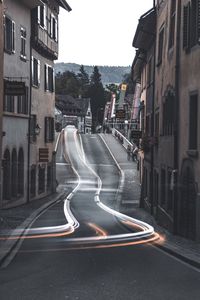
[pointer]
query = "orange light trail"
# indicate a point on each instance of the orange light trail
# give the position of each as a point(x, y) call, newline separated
point(37, 236)
point(98, 230)
point(152, 240)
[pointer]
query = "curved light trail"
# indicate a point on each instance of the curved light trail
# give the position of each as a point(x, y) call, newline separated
point(102, 238)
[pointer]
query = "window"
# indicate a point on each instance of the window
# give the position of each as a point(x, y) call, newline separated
point(169, 191)
point(149, 73)
point(168, 115)
point(162, 187)
point(193, 122)
point(191, 24)
point(41, 179)
point(172, 23)
point(33, 181)
point(157, 124)
point(186, 27)
point(194, 25)
point(23, 43)
point(54, 28)
point(160, 46)
point(42, 15)
point(9, 35)
point(9, 103)
point(49, 79)
point(49, 177)
point(35, 72)
point(147, 129)
point(32, 128)
point(49, 129)
point(22, 103)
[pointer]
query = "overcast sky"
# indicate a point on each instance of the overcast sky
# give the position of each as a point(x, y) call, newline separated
point(100, 32)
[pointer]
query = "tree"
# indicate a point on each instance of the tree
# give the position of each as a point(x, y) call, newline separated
point(97, 96)
point(84, 82)
point(67, 83)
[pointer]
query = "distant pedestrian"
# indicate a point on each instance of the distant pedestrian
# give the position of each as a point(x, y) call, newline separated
point(128, 152)
point(135, 153)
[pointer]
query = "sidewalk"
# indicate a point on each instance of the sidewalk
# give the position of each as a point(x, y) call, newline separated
point(187, 250)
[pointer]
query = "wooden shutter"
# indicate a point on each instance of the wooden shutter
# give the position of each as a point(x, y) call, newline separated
point(46, 84)
point(13, 36)
point(38, 72)
point(186, 27)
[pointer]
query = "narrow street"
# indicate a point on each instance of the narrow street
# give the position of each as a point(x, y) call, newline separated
point(83, 248)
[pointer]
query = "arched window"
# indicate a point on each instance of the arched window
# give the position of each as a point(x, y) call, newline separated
point(14, 174)
point(6, 176)
point(41, 179)
point(21, 172)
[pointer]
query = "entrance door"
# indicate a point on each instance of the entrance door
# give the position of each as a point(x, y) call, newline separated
point(187, 214)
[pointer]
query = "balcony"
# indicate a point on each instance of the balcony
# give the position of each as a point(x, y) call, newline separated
point(43, 43)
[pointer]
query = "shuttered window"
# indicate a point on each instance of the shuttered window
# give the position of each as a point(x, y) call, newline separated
point(191, 24)
point(49, 129)
point(9, 35)
point(186, 27)
point(193, 122)
point(35, 72)
point(49, 78)
point(160, 46)
point(172, 23)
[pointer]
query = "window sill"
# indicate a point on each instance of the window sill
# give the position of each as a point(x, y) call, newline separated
point(23, 58)
point(35, 86)
point(193, 153)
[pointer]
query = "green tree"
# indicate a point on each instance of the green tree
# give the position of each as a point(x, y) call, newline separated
point(97, 96)
point(84, 82)
point(67, 83)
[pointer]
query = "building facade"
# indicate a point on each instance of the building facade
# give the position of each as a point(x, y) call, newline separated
point(16, 100)
point(44, 43)
point(30, 48)
point(170, 188)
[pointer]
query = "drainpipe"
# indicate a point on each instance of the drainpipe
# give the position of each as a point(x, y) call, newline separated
point(152, 122)
point(29, 125)
point(176, 121)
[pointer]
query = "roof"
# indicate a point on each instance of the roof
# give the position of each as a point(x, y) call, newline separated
point(64, 5)
point(72, 106)
point(146, 29)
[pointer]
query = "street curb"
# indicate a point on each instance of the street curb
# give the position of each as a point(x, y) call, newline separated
point(182, 257)
point(9, 245)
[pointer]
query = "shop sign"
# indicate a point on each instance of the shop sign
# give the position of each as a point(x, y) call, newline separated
point(14, 88)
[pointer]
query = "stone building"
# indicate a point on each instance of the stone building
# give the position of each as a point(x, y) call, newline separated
point(171, 167)
point(76, 111)
point(44, 42)
point(30, 48)
point(16, 100)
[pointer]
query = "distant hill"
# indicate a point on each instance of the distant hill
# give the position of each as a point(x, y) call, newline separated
point(109, 74)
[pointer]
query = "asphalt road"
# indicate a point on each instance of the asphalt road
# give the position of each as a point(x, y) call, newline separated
point(99, 256)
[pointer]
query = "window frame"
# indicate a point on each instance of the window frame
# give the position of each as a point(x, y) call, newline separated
point(23, 43)
point(9, 35)
point(35, 72)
